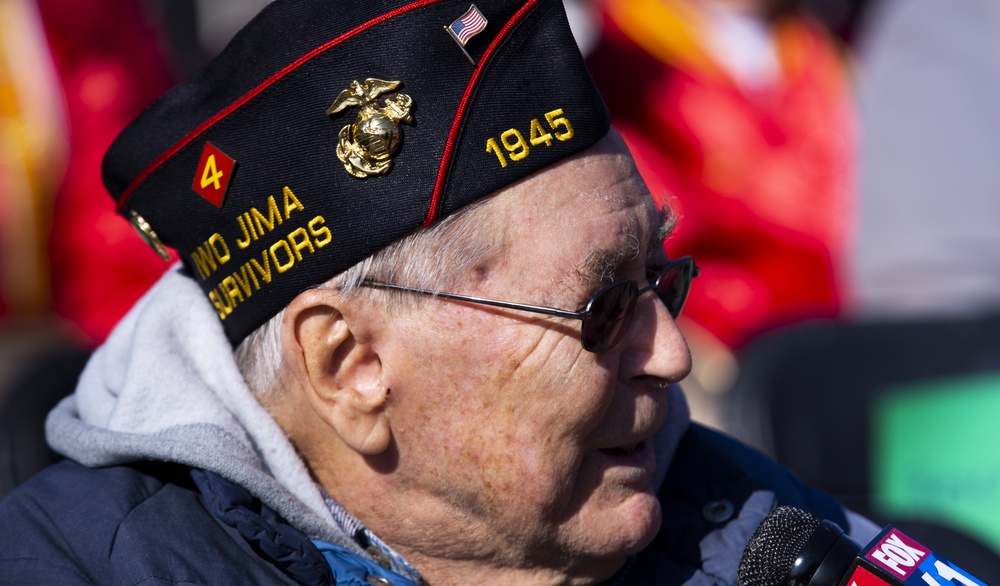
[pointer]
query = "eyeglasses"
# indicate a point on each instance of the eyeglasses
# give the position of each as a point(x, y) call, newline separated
point(608, 315)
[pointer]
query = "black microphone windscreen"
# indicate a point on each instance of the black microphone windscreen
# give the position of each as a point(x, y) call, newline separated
point(774, 547)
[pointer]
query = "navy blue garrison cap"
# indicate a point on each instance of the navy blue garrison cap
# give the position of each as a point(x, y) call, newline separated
point(328, 129)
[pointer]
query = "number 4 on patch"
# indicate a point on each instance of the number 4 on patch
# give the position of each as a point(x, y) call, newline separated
point(214, 174)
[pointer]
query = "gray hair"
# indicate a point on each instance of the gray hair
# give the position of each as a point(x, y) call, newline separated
point(434, 258)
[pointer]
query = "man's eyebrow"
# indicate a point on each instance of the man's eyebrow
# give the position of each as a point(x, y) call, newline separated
point(602, 264)
point(667, 221)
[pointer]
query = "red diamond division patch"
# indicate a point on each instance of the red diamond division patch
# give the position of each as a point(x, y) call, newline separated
point(215, 170)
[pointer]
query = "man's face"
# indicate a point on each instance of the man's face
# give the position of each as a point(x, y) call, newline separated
point(514, 444)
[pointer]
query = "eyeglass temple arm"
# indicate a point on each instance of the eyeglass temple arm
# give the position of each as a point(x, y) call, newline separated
point(493, 302)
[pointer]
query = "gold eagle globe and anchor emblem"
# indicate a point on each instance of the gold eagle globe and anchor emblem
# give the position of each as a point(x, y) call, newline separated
point(368, 145)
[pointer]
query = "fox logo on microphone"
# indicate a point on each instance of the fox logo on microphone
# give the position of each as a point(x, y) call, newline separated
point(898, 553)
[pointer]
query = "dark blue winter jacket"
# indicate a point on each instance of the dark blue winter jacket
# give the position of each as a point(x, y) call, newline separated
point(167, 524)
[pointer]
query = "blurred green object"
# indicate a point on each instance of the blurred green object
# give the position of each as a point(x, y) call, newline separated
point(936, 454)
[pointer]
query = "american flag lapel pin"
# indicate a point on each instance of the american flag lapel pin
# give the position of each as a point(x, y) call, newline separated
point(465, 27)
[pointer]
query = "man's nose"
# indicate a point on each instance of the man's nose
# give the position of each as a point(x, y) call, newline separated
point(654, 347)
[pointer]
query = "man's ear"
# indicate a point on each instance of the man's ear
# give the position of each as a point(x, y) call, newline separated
point(337, 369)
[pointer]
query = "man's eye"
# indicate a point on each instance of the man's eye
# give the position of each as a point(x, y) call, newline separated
point(653, 272)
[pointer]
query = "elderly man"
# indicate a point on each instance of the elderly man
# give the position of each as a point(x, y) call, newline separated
point(452, 316)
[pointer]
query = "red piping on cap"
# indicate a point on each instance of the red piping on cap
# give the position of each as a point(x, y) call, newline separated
point(456, 124)
point(257, 90)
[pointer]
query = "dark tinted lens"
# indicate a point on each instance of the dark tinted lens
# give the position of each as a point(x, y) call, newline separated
point(675, 283)
point(609, 314)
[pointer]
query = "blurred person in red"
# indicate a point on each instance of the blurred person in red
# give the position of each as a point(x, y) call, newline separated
point(72, 73)
point(739, 113)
